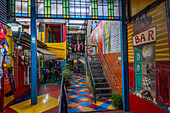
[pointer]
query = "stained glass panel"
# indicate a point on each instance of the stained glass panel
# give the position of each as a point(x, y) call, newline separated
point(73, 9)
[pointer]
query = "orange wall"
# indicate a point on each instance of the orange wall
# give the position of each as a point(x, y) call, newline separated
point(115, 67)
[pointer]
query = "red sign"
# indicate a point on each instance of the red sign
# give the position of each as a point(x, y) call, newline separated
point(145, 37)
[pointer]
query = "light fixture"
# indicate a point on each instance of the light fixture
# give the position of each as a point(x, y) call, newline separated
point(16, 28)
point(19, 47)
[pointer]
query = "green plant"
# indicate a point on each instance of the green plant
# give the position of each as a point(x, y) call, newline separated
point(117, 101)
point(67, 75)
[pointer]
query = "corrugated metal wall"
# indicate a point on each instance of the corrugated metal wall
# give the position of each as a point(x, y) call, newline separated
point(3, 12)
point(159, 19)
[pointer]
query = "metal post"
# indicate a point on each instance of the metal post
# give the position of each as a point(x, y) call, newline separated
point(124, 58)
point(33, 53)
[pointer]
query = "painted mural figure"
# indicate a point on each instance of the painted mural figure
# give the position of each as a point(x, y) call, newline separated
point(147, 70)
point(3, 33)
point(107, 38)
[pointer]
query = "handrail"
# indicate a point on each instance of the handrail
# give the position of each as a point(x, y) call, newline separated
point(106, 64)
point(63, 99)
point(105, 73)
point(92, 86)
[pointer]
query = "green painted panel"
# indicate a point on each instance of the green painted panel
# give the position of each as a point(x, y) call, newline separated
point(138, 69)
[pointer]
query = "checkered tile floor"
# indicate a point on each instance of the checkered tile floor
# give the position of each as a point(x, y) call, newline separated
point(78, 81)
point(48, 101)
point(81, 100)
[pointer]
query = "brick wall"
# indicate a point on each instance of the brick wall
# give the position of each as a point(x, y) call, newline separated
point(115, 67)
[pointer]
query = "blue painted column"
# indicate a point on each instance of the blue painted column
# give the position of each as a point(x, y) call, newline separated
point(61, 31)
point(124, 58)
point(33, 53)
point(63, 63)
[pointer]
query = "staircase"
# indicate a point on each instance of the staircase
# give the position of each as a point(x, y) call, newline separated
point(102, 86)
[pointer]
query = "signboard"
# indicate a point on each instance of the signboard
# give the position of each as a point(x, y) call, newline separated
point(74, 56)
point(7, 59)
point(145, 37)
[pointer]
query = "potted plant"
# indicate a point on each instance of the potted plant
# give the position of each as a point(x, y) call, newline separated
point(117, 101)
point(67, 76)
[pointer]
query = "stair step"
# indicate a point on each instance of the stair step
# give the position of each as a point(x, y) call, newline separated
point(95, 66)
point(94, 61)
point(98, 71)
point(101, 83)
point(107, 88)
point(98, 74)
point(104, 94)
point(99, 78)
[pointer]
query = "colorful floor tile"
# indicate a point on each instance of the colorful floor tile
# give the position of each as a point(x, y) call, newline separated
point(48, 101)
point(80, 98)
point(78, 81)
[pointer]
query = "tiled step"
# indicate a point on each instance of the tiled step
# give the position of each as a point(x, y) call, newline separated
point(104, 94)
point(107, 88)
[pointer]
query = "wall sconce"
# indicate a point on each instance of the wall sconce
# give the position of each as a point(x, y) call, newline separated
point(19, 47)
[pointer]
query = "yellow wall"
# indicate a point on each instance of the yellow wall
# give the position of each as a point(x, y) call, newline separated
point(159, 20)
point(138, 5)
point(57, 48)
point(10, 41)
point(41, 37)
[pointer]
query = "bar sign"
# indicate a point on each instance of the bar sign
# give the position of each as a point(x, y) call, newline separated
point(145, 37)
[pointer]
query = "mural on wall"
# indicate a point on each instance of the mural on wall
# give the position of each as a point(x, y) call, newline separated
point(78, 42)
point(96, 38)
point(142, 22)
point(145, 64)
point(149, 60)
point(107, 38)
point(111, 36)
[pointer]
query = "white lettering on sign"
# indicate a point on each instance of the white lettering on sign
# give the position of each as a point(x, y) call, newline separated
point(145, 37)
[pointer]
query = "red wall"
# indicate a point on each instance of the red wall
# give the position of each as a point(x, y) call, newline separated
point(139, 105)
point(64, 33)
point(20, 88)
point(99, 26)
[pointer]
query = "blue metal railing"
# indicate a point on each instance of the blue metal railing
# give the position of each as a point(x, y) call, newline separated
point(106, 63)
point(91, 79)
